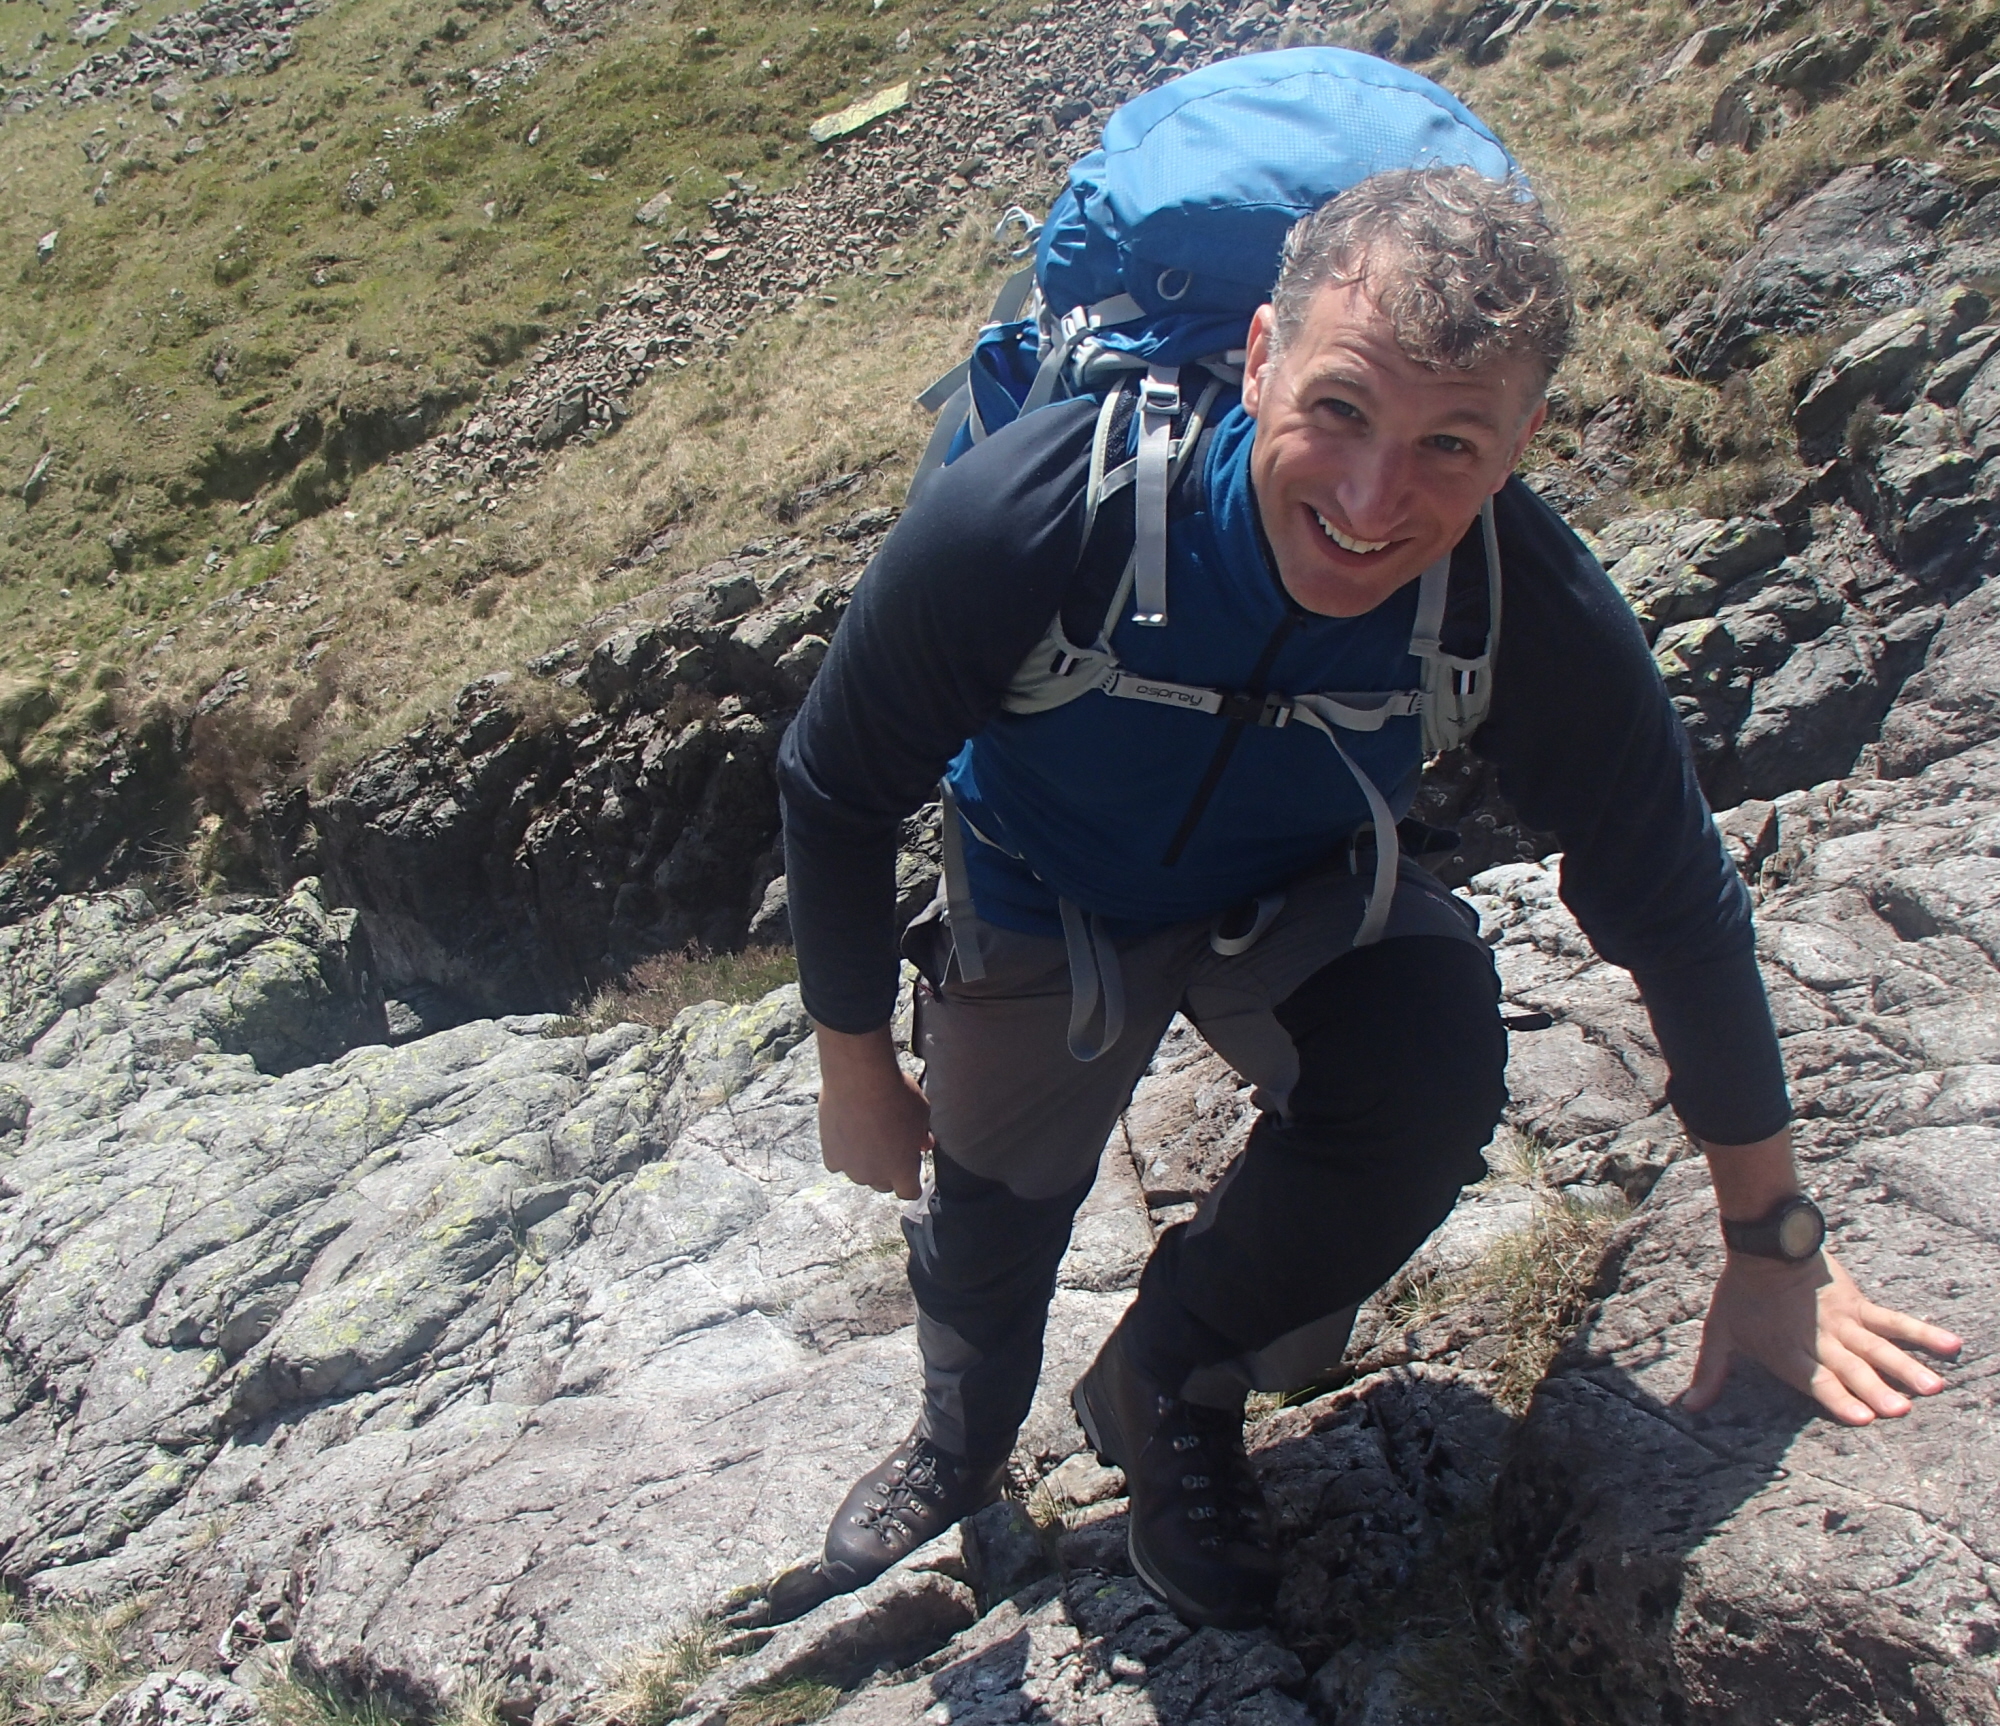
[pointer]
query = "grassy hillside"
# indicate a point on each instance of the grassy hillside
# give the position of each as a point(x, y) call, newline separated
point(336, 255)
point(226, 306)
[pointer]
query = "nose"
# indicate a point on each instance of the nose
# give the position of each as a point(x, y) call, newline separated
point(1374, 488)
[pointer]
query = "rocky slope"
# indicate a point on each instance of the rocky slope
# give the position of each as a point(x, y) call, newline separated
point(490, 1358)
point(487, 1359)
point(1669, 1564)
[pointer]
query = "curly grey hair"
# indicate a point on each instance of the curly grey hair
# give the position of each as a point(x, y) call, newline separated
point(1467, 268)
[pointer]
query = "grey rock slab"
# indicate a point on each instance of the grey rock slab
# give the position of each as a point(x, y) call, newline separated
point(1079, 1321)
point(182, 1699)
point(502, 1350)
point(1670, 1565)
point(1815, 65)
point(1099, 1650)
point(1810, 719)
point(1878, 365)
point(288, 983)
point(1925, 491)
point(1865, 239)
point(1700, 50)
point(1953, 702)
point(474, 1349)
point(909, 1611)
point(1189, 1115)
point(1112, 1238)
point(1978, 404)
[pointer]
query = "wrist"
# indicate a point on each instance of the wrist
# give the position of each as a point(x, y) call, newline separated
point(857, 1062)
point(1750, 1180)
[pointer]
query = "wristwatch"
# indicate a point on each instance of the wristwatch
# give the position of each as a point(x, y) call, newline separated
point(1792, 1230)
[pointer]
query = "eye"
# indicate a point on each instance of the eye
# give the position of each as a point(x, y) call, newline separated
point(1449, 445)
point(1339, 408)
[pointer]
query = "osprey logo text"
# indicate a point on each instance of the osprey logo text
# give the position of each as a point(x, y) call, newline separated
point(1167, 692)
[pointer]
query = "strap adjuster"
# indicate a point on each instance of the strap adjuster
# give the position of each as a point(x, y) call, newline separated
point(1157, 396)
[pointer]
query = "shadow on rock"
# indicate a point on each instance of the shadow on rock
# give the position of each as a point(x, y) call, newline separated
point(1668, 1566)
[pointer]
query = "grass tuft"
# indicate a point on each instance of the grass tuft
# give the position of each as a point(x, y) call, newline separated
point(656, 991)
point(650, 1685)
point(71, 1661)
point(1457, 1672)
point(788, 1702)
point(1543, 1279)
point(294, 1698)
point(477, 1705)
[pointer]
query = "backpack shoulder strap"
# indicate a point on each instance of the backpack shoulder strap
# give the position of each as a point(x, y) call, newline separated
point(1059, 670)
point(1458, 690)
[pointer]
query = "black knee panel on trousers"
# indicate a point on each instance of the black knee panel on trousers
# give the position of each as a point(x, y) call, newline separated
point(1402, 1064)
point(983, 1260)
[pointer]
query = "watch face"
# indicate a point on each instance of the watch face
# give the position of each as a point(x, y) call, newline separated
point(1800, 1231)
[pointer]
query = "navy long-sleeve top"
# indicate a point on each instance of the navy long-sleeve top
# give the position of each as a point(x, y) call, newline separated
point(1586, 742)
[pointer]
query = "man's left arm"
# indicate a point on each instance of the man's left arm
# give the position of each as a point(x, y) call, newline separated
point(1589, 746)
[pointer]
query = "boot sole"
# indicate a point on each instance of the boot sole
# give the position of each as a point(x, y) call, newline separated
point(1183, 1607)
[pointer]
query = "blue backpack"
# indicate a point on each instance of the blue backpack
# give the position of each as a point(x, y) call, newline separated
point(1146, 274)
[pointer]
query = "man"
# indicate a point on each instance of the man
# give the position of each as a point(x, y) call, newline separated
point(1124, 862)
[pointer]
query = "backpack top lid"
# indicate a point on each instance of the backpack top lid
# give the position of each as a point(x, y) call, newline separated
point(1186, 205)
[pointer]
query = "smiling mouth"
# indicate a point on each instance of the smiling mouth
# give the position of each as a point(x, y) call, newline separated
point(1360, 547)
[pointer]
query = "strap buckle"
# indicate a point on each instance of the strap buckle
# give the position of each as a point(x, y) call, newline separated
point(1273, 710)
point(1159, 397)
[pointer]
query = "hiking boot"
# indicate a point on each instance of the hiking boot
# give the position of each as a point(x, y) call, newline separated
point(913, 1495)
point(1198, 1531)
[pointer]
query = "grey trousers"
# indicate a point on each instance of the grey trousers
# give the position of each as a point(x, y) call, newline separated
point(1377, 1074)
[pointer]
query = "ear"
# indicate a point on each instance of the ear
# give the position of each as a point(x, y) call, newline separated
point(1257, 357)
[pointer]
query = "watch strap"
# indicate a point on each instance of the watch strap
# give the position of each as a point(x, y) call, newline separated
point(1763, 1237)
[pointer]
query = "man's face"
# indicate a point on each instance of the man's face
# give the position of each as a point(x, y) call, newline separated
point(1368, 466)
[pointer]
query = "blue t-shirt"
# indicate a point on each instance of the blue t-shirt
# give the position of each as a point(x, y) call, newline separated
point(1086, 801)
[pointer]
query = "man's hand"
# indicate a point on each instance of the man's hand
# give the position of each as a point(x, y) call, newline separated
point(874, 1123)
point(1814, 1329)
point(1807, 1323)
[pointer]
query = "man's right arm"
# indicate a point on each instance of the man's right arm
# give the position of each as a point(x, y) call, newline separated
point(961, 591)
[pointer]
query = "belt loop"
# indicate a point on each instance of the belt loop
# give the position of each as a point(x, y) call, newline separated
point(1268, 905)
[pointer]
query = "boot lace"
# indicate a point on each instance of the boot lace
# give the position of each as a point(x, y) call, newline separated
point(917, 1491)
point(1215, 1480)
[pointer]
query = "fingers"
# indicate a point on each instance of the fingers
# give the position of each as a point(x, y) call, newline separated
point(1860, 1367)
point(1711, 1370)
point(1901, 1327)
point(1827, 1387)
point(1866, 1341)
point(1828, 1342)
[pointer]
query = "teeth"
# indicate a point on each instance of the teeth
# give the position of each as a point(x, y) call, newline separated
point(1340, 539)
